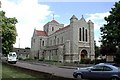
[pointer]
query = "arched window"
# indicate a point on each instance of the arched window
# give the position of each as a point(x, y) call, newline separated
point(79, 34)
point(42, 43)
point(52, 28)
point(86, 35)
point(83, 34)
point(57, 40)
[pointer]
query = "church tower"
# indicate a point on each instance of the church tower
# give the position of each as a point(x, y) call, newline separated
point(52, 26)
point(73, 19)
point(91, 35)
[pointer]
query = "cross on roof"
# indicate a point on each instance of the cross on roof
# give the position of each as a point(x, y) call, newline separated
point(53, 16)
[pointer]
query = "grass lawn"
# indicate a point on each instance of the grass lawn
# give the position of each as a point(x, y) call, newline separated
point(11, 73)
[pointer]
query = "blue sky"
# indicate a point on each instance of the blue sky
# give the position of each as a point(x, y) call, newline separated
point(66, 9)
point(33, 14)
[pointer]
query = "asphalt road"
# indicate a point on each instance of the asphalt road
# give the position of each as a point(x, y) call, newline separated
point(63, 72)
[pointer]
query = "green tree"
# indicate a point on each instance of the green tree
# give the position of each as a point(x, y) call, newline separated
point(111, 30)
point(97, 50)
point(108, 49)
point(8, 31)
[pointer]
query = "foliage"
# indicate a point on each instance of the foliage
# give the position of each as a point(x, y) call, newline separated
point(85, 61)
point(97, 50)
point(97, 61)
point(8, 31)
point(108, 49)
point(117, 59)
point(111, 30)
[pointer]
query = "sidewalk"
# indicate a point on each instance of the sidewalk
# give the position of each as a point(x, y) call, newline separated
point(57, 64)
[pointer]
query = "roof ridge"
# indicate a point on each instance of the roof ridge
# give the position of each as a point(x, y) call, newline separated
point(62, 28)
point(55, 21)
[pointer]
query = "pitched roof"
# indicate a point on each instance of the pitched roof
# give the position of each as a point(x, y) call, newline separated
point(83, 18)
point(41, 33)
point(74, 17)
point(63, 28)
point(90, 22)
point(54, 21)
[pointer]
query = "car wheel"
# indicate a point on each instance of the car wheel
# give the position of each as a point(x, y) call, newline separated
point(79, 76)
point(114, 78)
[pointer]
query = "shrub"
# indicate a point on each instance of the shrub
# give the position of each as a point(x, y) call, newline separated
point(100, 61)
point(85, 61)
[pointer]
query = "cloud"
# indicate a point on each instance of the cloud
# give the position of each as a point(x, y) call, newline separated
point(77, 0)
point(98, 20)
point(29, 14)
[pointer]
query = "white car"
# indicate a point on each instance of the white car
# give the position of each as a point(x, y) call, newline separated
point(12, 57)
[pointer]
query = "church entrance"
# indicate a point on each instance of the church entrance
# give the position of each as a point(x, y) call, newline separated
point(83, 54)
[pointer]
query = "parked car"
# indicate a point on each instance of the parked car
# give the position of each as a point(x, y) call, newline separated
point(12, 57)
point(99, 71)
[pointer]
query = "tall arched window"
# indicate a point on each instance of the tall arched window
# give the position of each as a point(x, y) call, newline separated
point(83, 34)
point(79, 34)
point(52, 28)
point(43, 43)
point(86, 35)
point(57, 40)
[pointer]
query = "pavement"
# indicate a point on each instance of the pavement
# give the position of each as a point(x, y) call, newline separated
point(49, 65)
point(57, 65)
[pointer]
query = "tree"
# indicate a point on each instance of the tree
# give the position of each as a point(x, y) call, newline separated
point(97, 50)
point(111, 30)
point(108, 50)
point(8, 31)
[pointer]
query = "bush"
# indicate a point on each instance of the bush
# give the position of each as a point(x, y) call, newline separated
point(100, 61)
point(35, 57)
point(85, 61)
point(92, 62)
point(40, 59)
point(76, 62)
point(20, 58)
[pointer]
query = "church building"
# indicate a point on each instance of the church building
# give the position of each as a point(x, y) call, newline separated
point(70, 43)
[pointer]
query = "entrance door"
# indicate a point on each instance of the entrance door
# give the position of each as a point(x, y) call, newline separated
point(83, 54)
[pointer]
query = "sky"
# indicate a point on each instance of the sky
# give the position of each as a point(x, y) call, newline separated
point(33, 14)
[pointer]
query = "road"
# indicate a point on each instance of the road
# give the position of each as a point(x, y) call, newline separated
point(63, 72)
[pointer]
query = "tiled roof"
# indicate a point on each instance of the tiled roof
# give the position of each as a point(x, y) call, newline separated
point(54, 21)
point(41, 33)
point(63, 28)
